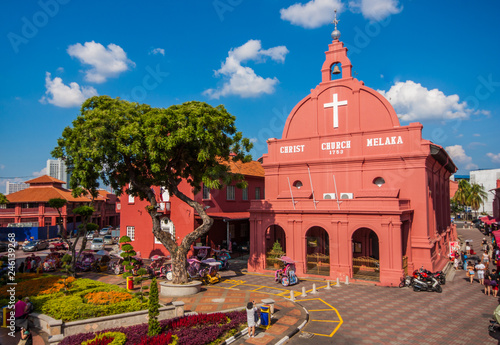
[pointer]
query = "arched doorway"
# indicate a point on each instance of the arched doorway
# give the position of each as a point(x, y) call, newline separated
point(275, 245)
point(317, 251)
point(365, 255)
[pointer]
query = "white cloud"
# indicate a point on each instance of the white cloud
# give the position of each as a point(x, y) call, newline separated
point(413, 102)
point(157, 51)
point(313, 14)
point(2, 166)
point(65, 96)
point(476, 134)
point(40, 173)
point(375, 10)
point(243, 81)
point(495, 158)
point(106, 62)
point(60, 70)
point(457, 153)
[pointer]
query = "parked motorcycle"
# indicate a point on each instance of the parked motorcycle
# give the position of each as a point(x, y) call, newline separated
point(439, 275)
point(424, 282)
point(495, 323)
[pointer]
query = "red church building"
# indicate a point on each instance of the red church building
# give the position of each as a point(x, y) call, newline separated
point(349, 191)
point(228, 207)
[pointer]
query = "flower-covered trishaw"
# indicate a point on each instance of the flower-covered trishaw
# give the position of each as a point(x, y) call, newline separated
point(286, 275)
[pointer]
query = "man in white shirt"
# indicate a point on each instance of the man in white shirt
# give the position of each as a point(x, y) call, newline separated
point(480, 272)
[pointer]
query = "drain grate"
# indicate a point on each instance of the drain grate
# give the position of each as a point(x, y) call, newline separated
point(306, 335)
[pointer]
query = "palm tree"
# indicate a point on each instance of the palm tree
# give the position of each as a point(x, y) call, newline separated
point(477, 196)
point(462, 194)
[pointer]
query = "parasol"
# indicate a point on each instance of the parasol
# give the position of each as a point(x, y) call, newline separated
point(156, 257)
point(102, 252)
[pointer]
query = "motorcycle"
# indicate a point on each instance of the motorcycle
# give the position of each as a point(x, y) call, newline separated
point(439, 275)
point(423, 282)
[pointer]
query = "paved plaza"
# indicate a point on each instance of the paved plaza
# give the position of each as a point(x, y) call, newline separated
point(357, 313)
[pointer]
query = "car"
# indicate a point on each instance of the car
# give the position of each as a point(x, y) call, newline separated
point(104, 231)
point(35, 245)
point(108, 239)
point(90, 236)
point(97, 244)
point(4, 247)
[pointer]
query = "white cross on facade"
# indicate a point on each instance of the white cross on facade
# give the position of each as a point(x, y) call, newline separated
point(335, 105)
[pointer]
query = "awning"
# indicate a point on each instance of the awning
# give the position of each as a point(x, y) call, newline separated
point(230, 215)
point(491, 221)
point(485, 218)
point(497, 236)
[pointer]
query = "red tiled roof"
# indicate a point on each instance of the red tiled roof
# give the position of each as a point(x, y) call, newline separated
point(45, 179)
point(252, 168)
point(43, 194)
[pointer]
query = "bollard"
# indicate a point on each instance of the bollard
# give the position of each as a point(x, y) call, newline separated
point(303, 292)
point(314, 289)
point(292, 296)
point(346, 280)
point(338, 282)
point(328, 287)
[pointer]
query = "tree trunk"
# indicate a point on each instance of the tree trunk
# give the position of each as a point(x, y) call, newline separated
point(179, 264)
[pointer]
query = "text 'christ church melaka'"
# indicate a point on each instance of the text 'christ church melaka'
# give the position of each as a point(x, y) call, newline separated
point(349, 191)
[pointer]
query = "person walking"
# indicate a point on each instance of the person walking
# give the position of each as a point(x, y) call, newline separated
point(487, 283)
point(470, 271)
point(494, 282)
point(251, 312)
point(480, 272)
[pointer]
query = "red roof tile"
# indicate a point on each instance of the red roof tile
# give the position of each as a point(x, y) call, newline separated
point(45, 179)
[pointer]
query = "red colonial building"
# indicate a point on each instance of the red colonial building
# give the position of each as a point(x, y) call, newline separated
point(30, 206)
point(349, 191)
point(228, 207)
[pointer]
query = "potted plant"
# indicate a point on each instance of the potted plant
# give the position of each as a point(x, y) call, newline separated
point(274, 255)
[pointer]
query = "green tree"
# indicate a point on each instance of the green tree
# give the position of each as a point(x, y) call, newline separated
point(154, 327)
point(3, 199)
point(134, 145)
point(477, 196)
point(128, 256)
point(85, 212)
point(461, 196)
point(58, 204)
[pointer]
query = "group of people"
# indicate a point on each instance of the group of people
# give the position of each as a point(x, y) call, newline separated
point(30, 264)
point(485, 269)
point(22, 309)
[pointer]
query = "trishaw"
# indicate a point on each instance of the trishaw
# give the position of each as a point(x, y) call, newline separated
point(85, 261)
point(202, 252)
point(52, 261)
point(223, 256)
point(210, 271)
point(286, 275)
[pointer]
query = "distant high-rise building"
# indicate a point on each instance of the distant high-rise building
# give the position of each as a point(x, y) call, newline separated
point(15, 187)
point(57, 169)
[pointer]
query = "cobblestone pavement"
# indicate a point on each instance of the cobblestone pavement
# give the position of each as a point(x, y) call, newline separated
point(354, 313)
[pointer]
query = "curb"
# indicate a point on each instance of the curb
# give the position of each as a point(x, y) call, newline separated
point(296, 330)
point(235, 337)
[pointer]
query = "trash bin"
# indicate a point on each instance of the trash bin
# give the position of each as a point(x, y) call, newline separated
point(265, 316)
point(130, 283)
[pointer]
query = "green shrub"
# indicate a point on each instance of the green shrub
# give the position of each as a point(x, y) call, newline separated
point(118, 338)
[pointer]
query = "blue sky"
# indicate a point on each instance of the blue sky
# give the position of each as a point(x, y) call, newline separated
point(437, 61)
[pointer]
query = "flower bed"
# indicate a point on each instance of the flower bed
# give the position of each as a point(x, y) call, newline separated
point(189, 330)
point(74, 304)
point(73, 299)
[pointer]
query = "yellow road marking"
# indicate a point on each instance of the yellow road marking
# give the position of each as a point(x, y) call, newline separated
point(340, 322)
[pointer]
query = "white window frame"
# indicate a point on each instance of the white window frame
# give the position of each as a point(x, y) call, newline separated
point(230, 193)
point(169, 227)
point(131, 232)
point(130, 197)
point(205, 193)
point(244, 194)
